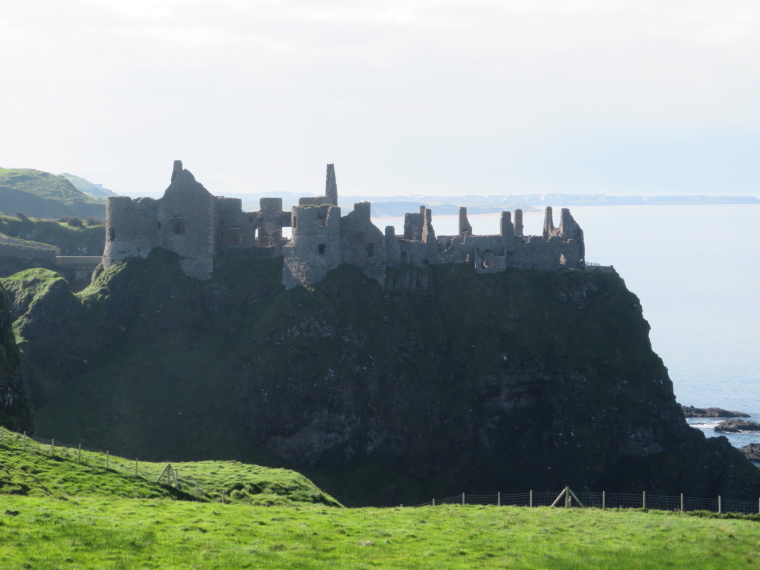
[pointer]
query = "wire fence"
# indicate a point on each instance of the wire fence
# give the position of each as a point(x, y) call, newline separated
point(603, 500)
point(169, 476)
point(165, 475)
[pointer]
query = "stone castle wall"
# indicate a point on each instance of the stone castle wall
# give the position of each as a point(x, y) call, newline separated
point(196, 225)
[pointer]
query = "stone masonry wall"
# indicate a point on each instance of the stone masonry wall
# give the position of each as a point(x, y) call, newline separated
point(315, 246)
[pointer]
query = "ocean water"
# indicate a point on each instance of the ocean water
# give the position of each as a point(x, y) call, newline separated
point(696, 270)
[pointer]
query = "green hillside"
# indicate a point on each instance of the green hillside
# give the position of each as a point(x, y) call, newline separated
point(44, 195)
point(87, 187)
point(37, 469)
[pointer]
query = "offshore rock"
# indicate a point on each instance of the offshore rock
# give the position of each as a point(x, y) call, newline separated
point(737, 426)
point(692, 412)
point(442, 381)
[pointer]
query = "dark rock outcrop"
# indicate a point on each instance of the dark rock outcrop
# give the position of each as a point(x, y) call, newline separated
point(751, 451)
point(510, 381)
point(692, 412)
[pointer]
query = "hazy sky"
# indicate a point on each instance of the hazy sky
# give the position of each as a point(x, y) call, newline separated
point(426, 97)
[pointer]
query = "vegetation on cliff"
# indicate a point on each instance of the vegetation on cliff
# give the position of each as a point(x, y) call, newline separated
point(15, 408)
point(87, 238)
point(445, 381)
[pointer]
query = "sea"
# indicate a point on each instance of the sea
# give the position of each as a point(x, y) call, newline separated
point(696, 271)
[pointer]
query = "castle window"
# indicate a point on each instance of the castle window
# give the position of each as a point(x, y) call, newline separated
point(234, 237)
point(179, 224)
point(294, 221)
point(321, 249)
point(370, 249)
point(111, 234)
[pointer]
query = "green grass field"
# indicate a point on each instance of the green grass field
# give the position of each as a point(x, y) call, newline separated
point(100, 532)
point(57, 511)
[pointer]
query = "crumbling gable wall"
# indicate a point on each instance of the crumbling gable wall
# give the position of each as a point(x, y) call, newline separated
point(363, 244)
point(187, 223)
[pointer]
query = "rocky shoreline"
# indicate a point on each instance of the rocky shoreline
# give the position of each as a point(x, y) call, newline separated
point(692, 412)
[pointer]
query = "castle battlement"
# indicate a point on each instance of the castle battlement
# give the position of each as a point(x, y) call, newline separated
point(198, 226)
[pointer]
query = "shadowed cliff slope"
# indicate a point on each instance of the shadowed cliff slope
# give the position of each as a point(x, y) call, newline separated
point(445, 381)
point(15, 409)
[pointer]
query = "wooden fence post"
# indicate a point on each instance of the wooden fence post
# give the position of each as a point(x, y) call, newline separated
point(644, 500)
point(433, 502)
point(604, 500)
point(568, 500)
point(720, 505)
point(463, 498)
point(135, 466)
point(106, 459)
point(52, 447)
point(530, 498)
point(498, 499)
point(681, 502)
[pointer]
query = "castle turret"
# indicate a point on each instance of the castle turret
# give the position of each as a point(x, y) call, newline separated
point(315, 246)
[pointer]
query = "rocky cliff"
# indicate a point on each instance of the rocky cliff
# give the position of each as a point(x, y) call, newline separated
point(442, 381)
point(15, 409)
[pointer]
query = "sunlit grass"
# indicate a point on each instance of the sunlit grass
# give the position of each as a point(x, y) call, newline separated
point(101, 532)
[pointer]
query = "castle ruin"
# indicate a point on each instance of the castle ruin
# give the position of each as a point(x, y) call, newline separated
point(196, 225)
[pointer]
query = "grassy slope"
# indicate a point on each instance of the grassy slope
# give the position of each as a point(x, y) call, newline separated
point(87, 187)
point(82, 240)
point(97, 532)
point(44, 195)
point(33, 469)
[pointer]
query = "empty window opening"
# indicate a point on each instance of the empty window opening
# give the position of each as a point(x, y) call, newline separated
point(322, 219)
point(294, 221)
point(370, 249)
point(321, 249)
point(562, 259)
point(179, 224)
point(234, 237)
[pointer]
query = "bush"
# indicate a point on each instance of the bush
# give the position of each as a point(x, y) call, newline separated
point(73, 222)
point(90, 221)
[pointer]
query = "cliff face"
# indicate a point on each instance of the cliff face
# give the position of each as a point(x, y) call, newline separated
point(442, 382)
point(15, 409)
